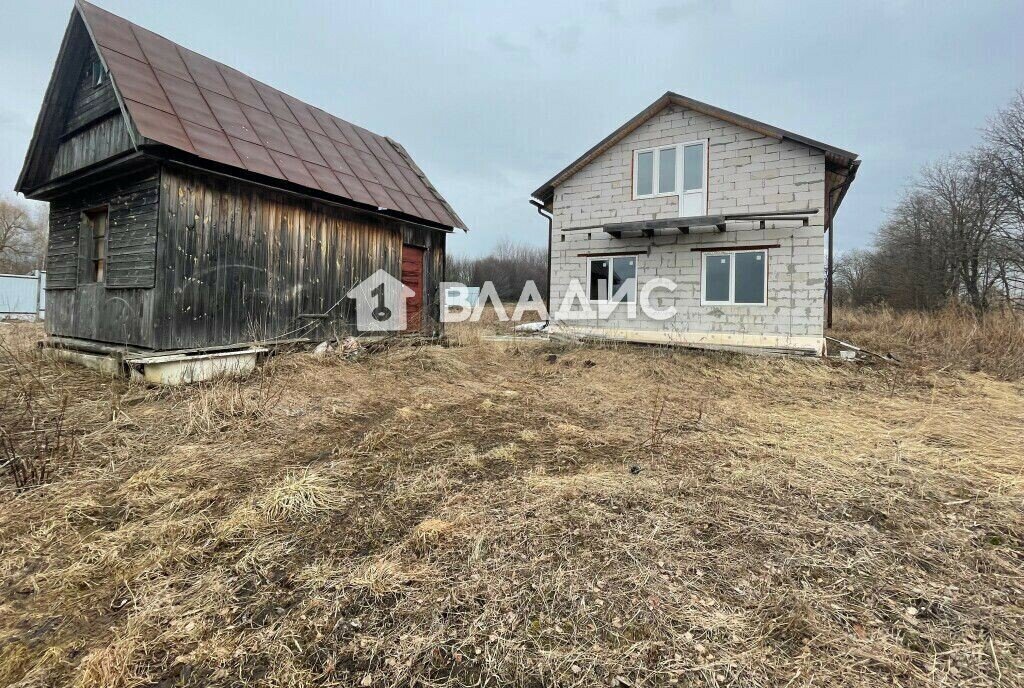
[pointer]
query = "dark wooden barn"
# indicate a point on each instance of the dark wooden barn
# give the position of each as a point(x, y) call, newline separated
point(193, 207)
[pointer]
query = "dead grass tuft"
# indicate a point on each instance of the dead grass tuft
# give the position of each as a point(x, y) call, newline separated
point(302, 496)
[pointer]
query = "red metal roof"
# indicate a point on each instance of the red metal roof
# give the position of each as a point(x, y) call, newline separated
point(182, 99)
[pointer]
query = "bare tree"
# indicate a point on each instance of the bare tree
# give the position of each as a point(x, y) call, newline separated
point(22, 236)
point(1005, 137)
point(855, 278)
point(956, 235)
point(971, 207)
point(510, 265)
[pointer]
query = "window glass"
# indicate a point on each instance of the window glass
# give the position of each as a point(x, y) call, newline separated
point(666, 170)
point(645, 173)
point(693, 167)
point(97, 223)
point(716, 276)
point(624, 279)
point(750, 277)
point(95, 72)
point(599, 280)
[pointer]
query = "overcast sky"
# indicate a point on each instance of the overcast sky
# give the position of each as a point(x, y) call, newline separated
point(492, 99)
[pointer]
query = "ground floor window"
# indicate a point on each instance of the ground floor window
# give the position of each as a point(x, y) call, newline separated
point(96, 244)
point(617, 273)
point(734, 277)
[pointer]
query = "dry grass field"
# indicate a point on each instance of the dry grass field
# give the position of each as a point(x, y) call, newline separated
point(521, 514)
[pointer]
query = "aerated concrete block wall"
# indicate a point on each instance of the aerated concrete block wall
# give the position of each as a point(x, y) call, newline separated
point(747, 172)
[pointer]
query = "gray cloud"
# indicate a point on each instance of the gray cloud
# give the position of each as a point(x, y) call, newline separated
point(492, 99)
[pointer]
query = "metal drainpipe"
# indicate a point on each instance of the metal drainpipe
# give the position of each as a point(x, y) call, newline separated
point(831, 270)
point(550, 218)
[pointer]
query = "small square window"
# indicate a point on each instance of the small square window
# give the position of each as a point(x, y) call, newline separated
point(735, 278)
point(620, 271)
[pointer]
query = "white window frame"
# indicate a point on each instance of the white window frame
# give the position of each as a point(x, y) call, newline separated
point(656, 179)
point(732, 277)
point(655, 172)
point(611, 272)
point(703, 191)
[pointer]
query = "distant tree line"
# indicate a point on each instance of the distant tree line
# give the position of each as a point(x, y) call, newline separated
point(509, 266)
point(956, 235)
point(22, 236)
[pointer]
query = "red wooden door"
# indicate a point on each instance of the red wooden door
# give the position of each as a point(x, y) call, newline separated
point(412, 277)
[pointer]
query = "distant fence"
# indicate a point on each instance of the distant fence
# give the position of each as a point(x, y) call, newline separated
point(23, 297)
point(463, 297)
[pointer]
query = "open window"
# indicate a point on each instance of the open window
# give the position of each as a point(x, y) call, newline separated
point(612, 279)
point(737, 278)
point(680, 169)
point(95, 225)
point(93, 72)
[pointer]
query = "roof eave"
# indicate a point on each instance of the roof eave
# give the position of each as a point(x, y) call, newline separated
point(851, 175)
point(172, 155)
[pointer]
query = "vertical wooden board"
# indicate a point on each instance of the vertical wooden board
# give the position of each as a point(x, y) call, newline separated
point(293, 255)
point(189, 227)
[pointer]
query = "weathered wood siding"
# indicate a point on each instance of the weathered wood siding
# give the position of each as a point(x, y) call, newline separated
point(239, 262)
point(118, 310)
point(91, 101)
point(95, 143)
point(93, 127)
point(81, 122)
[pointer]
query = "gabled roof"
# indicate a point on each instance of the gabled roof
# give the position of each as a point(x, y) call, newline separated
point(178, 98)
point(837, 157)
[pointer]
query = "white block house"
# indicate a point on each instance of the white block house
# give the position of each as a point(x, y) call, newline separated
point(737, 213)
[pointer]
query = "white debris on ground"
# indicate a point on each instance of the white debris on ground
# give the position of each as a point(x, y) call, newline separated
point(532, 327)
point(851, 352)
point(347, 347)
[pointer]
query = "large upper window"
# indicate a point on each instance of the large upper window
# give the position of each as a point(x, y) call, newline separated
point(96, 233)
point(735, 278)
point(673, 170)
point(616, 273)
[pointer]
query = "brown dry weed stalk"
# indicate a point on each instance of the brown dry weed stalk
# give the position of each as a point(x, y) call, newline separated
point(522, 515)
point(952, 339)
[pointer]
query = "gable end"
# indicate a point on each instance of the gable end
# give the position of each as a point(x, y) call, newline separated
point(80, 122)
